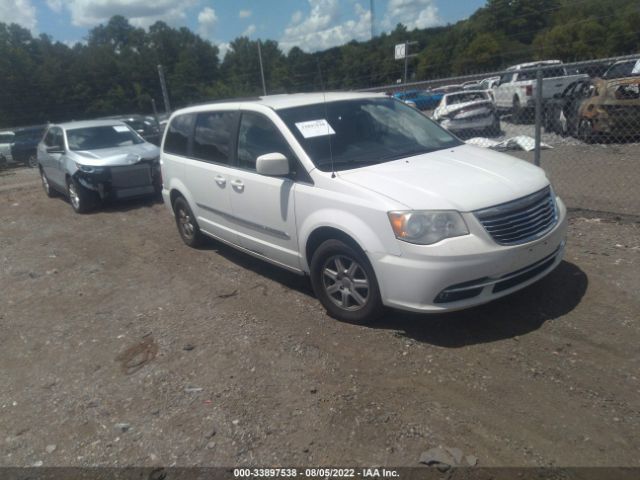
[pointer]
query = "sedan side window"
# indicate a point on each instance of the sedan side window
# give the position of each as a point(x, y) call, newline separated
point(49, 138)
point(257, 136)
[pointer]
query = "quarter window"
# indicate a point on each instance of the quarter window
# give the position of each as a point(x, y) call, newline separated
point(257, 136)
point(212, 139)
point(177, 139)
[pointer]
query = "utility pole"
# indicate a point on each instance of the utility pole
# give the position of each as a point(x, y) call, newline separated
point(372, 9)
point(264, 85)
point(165, 94)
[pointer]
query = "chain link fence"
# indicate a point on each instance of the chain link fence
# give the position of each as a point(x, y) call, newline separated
point(579, 121)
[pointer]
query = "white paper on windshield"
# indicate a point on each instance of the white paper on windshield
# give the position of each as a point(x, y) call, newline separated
point(315, 128)
point(120, 128)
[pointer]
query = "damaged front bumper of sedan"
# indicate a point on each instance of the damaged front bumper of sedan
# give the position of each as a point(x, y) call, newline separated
point(115, 182)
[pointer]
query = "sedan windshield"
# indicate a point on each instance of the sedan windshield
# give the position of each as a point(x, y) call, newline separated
point(354, 133)
point(95, 138)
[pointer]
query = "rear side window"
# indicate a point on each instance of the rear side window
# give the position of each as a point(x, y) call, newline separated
point(177, 138)
point(212, 140)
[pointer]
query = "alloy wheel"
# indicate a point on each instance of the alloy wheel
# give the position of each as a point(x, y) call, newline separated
point(186, 224)
point(345, 282)
point(73, 196)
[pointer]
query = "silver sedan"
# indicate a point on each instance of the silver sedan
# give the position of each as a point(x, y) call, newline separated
point(96, 160)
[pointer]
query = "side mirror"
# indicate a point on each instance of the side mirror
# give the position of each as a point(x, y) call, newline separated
point(272, 164)
point(55, 149)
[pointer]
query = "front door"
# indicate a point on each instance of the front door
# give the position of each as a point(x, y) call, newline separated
point(262, 206)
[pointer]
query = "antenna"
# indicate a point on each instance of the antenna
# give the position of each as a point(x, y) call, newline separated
point(326, 117)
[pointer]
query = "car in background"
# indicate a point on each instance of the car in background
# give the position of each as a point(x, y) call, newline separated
point(146, 126)
point(444, 89)
point(420, 99)
point(561, 111)
point(612, 110)
point(623, 68)
point(25, 145)
point(469, 110)
point(6, 140)
point(378, 204)
point(516, 89)
point(473, 85)
point(489, 83)
point(97, 160)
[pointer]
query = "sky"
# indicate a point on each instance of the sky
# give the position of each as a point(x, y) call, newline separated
point(309, 24)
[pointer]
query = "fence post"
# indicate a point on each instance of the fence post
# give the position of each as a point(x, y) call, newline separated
point(536, 153)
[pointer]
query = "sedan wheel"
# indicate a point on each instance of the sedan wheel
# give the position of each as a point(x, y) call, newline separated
point(32, 161)
point(82, 200)
point(45, 184)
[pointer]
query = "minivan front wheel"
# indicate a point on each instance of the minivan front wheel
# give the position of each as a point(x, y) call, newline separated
point(345, 283)
point(186, 223)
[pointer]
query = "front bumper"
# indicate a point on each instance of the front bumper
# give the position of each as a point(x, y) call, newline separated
point(465, 271)
point(122, 182)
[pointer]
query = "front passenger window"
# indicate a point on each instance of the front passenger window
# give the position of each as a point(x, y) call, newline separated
point(257, 136)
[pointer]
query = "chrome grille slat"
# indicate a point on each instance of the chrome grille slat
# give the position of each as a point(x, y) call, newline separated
point(515, 225)
point(508, 232)
point(508, 218)
point(521, 220)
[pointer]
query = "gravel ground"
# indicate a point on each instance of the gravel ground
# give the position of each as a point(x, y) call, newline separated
point(121, 346)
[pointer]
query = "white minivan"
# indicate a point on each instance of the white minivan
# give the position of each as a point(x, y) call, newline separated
point(378, 204)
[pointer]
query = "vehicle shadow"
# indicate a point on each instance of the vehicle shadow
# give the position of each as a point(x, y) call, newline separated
point(260, 267)
point(126, 205)
point(517, 314)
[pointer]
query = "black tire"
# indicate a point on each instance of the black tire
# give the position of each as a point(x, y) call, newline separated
point(187, 225)
point(32, 161)
point(516, 111)
point(495, 129)
point(82, 199)
point(46, 186)
point(585, 131)
point(345, 283)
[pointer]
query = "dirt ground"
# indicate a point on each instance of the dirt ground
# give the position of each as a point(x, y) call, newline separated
point(121, 346)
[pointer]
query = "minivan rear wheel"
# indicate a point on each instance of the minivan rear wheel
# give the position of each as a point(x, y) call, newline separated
point(345, 283)
point(186, 222)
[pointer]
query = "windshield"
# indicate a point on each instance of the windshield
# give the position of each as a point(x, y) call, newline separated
point(95, 138)
point(466, 97)
point(363, 132)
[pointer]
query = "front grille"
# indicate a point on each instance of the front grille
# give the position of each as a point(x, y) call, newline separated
point(131, 176)
point(521, 220)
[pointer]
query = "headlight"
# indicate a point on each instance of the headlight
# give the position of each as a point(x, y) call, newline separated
point(426, 227)
point(89, 169)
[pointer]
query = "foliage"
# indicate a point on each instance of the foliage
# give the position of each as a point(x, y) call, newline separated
point(115, 70)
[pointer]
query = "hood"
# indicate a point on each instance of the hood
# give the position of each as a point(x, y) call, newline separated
point(463, 178)
point(118, 156)
point(452, 109)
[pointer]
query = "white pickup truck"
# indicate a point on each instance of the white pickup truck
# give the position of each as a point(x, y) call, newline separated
point(516, 89)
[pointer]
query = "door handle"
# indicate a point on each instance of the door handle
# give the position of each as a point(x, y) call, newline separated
point(220, 180)
point(237, 184)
